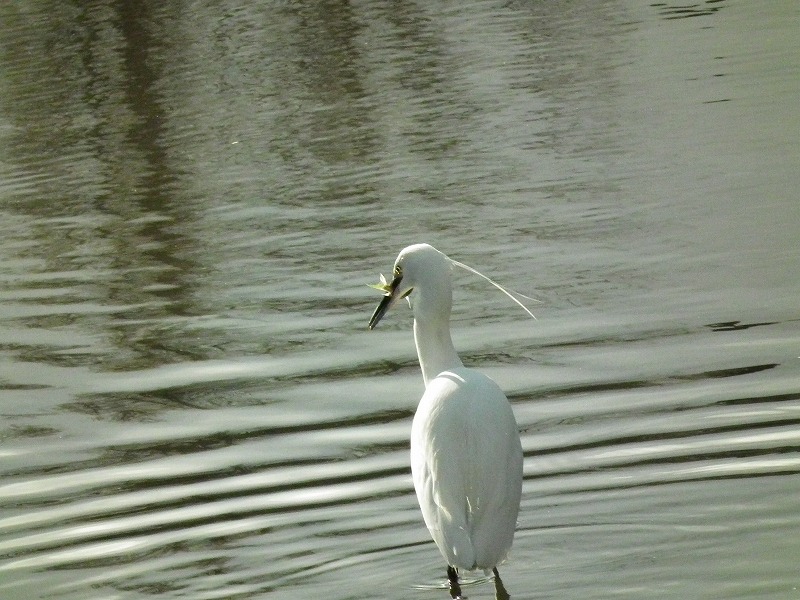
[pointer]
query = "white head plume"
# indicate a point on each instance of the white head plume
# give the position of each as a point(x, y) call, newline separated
point(514, 295)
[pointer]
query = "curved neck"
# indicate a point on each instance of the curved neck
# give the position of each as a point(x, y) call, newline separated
point(432, 336)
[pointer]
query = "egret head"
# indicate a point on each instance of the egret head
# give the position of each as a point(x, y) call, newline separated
point(420, 266)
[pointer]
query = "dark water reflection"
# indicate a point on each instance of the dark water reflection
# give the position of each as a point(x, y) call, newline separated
point(193, 197)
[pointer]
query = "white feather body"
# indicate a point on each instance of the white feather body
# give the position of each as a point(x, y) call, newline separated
point(466, 462)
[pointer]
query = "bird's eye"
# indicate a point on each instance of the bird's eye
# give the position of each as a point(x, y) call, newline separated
point(398, 272)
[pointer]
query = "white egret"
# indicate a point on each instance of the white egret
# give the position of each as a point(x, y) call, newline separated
point(466, 456)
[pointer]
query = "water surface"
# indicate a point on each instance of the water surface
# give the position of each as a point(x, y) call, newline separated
point(193, 197)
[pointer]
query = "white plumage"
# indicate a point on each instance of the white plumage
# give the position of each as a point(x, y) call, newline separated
point(466, 456)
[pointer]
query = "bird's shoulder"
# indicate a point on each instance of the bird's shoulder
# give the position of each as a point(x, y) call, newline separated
point(465, 376)
point(463, 381)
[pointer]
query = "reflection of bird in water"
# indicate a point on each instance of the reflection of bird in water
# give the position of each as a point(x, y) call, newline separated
point(466, 456)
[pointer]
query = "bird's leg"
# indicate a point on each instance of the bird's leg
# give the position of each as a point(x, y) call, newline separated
point(452, 576)
point(500, 592)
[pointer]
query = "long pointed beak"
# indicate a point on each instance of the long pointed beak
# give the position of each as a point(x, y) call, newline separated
point(385, 303)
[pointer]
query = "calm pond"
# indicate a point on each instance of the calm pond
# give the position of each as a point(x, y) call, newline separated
point(193, 197)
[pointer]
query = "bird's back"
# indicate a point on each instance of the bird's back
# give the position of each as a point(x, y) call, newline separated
point(466, 462)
